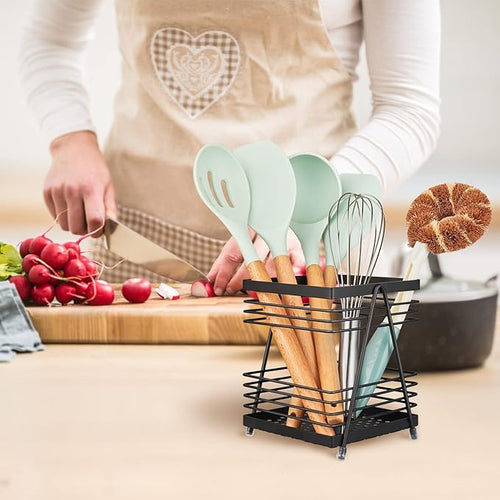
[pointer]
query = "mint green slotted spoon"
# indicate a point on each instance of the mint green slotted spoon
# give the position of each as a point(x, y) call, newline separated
point(222, 184)
point(318, 188)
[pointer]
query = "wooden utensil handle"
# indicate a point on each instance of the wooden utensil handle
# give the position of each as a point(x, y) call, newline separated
point(284, 270)
point(324, 344)
point(292, 353)
point(330, 274)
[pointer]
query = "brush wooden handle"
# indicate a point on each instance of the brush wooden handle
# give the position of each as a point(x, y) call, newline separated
point(292, 353)
point(324, 344)
point(284, 270)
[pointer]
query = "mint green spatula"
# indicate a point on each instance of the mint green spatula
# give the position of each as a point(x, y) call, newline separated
point(273, 190)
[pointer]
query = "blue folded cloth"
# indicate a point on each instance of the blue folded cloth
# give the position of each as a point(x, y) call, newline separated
point(17, 333)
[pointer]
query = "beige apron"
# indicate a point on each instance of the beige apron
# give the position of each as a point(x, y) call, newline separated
point(224, 71)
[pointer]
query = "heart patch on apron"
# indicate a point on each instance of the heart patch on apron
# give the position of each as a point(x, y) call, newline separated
point(195, 71)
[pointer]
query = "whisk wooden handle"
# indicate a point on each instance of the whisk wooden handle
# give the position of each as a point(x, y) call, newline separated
point(324, 344)
point(290, 349)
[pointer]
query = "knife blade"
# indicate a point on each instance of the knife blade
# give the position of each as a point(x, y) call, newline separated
point(129, 244)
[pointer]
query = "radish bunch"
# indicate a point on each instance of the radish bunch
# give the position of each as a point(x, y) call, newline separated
point(52, 271)
point(59, 271)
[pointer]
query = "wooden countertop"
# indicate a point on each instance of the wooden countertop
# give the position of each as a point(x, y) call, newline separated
point(125, 422)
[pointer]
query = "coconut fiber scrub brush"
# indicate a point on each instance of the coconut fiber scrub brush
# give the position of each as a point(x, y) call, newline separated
point(445, 218)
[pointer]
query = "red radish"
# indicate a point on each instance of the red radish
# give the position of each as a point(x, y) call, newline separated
point(72, 244)
point(39, 274)
point(38, 244)
point(29, 261)
point(91, 267)
point(99, 293)
point(167, 292)
point(54, 255)
point(202, 288)
point(73, 249)
point(22, 285)
point(75, 268)
point(42, 295)
point(24, 248)
point(65, 292)
point(136, 290)
point(72, 254)
point(81, 289)
point(56, 278)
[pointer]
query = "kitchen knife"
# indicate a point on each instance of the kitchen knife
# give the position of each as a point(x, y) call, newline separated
point(134, 247)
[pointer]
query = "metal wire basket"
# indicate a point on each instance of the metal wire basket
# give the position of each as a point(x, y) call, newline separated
point(272, 395)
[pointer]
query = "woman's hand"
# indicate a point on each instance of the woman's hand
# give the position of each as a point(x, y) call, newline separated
point(228, 271)
point(78, 188)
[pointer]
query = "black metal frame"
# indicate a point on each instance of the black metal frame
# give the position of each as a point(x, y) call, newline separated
point(391, 404)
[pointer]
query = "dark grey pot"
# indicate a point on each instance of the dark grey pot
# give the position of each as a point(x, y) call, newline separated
point(449, 335)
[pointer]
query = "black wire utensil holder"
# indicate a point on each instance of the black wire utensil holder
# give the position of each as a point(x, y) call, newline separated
point(272, 397)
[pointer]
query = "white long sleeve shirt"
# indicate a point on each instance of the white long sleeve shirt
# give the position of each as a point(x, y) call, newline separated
point(402, 40)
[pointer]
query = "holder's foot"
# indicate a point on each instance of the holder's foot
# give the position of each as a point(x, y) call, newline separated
point(249, 431)
point(342, 452)
point(413, 433)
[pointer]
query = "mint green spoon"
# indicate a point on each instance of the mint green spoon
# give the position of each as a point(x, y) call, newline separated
point(318, 188)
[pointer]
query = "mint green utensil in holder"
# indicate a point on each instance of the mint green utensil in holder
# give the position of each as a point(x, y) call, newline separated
point(318, 188)
point(273, 192)
point(380, 347)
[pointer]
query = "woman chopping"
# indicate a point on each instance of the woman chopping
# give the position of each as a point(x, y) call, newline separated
point(230, 72)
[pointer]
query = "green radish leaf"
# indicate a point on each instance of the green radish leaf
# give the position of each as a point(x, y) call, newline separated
point(10, 261)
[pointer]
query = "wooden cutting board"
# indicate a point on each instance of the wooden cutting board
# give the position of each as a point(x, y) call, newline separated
point(188, 320)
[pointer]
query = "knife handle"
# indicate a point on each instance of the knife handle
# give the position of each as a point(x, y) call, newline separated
point(291, 351)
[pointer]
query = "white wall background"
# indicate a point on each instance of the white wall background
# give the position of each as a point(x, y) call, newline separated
point(468, 150)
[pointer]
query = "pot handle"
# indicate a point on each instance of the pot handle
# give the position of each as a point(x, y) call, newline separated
point(492, 281)
point(434, 265)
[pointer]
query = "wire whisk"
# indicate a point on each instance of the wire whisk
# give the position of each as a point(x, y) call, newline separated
point(355, 233)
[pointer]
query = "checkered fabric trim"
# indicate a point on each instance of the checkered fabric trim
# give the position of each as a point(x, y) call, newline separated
point(198, 250)
point(195, 71)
